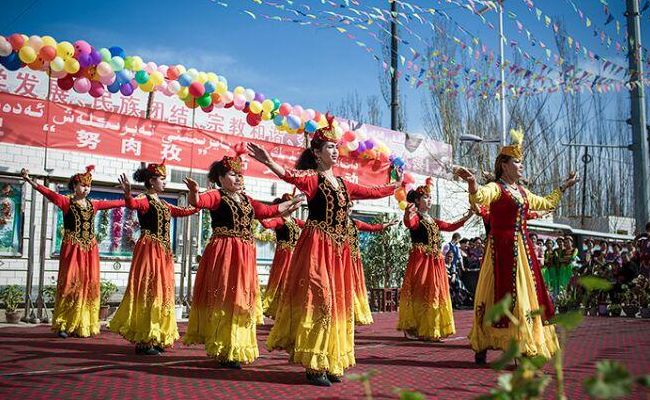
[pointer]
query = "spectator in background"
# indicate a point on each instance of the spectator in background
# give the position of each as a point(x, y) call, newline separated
point(614, 256)
point(603, 246)
point(589, 247)
point(454, 248)
point(539, 250)
point(643, 246)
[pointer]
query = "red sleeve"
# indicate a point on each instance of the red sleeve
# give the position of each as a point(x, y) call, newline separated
point(366, 227)
point(262, 211)
point(413, 222)
point(305, 181)
point(272, 223)
point(483, 212)
point(299, 222)
point(140, 203)
point(532, 215)
point(449, 227)
point(210, 199)
point(59, 200)
point(106, 204)
point(360, 192)
point(177, 211)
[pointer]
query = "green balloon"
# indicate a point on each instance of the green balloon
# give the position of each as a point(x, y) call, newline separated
point(106, 54)
point(128, 63)
point(204, 100)
point(141, 77)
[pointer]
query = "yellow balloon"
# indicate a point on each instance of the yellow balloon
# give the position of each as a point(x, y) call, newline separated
point(212, 77)
point(402, 205)
point(156, 77)
point(71, 66)
point(27, 54)
point(266, 116)
point(203, 77)
point(255, 107)
point(181, 69)
point(49, 41)
point(268, 105)
point(239, 90)
point(57, 64)
point(222, 88)
point(65, 50)
point(183, 92)
point(147, 87)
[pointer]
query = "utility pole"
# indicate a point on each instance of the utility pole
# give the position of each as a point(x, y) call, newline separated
point(394, 100)
point(586, 159)
point(640, 146)
point(502, 70)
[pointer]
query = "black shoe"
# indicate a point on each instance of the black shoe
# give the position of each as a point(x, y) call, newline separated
point(411, 334)
point(146, 351)
point(230, 364)
point(318, 380)
point(62, 334)
point(480, 358)
point(159, 348)
point(334, 378)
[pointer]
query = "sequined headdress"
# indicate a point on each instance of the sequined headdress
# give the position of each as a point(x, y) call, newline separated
point(84, 178)
point(515, 150)
point(328, 132)
point(425, 189)
point(158, 169)
point(235, 163)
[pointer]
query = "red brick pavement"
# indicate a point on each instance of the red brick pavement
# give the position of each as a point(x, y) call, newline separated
point(34, 364)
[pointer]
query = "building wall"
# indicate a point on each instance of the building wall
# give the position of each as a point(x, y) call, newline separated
point(450, 196)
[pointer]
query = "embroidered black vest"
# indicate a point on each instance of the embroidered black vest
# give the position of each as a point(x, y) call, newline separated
point(328, 210)
point(287, 235)
point(156, 222)
point(232, 218)
point(426, 237)
point(78, 224)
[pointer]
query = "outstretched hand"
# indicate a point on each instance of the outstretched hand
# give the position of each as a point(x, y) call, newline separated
point(191, 184)
point(125, 184)
point(571, 180)
point(464, 174)
point(258, 152)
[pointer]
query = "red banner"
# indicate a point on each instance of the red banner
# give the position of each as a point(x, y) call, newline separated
point(35, 122)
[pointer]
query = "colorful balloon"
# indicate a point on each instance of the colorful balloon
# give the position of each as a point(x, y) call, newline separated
point(27, 54)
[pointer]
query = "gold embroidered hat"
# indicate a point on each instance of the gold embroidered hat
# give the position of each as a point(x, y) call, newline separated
point(235, 163)
point(423, 190)
point(515, 150)
point(158, 169)
point(328, 132)
point(84, 178)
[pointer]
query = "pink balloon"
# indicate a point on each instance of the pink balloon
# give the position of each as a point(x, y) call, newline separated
point(107, 79)
point(82, 85)
point(58, 74)
point(297, 111)
point(96, 89)
point(81, 47)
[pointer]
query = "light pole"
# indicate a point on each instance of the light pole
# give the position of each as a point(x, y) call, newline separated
point(502, 69)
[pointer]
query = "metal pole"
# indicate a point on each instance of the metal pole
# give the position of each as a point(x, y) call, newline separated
point(40, 303)
point(502, 90)
point(637, 108)
point(30, 259)
point(586, 159)
point(394, 101)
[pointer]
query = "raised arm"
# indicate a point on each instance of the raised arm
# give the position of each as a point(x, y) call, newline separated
point(272, 223)
point(263, 211)
point(140, 203)
point(59, 200)
point(305, 180)
point(361, 192)
point(260, 154)
point(411, 218)
point(543, 203)
point(210, 199)
point(366, 227)
point(448, 227)
point(177, 211)
point(106, 204)
point(485, 195)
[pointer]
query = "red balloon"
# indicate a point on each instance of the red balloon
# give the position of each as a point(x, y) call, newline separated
point(349, 136)
point(208, 108)
point(253, 119)
point(47, 53)
point(96, 89)
point(17, 41)
point(65, 83)
point(228, 105)
point(172, 73)
point(196, 89)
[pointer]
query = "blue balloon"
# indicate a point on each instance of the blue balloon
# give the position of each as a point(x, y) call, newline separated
point(11, 62)
point(311, 126)
point(117, 51)
point(122, 76)
point(278, 120)
point(185, 80)
point(114, 87)
point(209, 87)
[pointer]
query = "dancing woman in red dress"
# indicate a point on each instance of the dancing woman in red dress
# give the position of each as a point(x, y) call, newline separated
point(425, 309)
point(315, 318)
point(287, 231)
point(226, 292)
point(76, 307)
point(146, 314)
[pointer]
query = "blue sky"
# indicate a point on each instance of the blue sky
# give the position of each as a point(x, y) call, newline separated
point(298, 64)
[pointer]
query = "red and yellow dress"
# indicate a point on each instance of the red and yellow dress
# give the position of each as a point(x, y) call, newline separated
point(76, 307)
point(315, 317)
point(226, 292)
point(362, 314)
point(146, 313)
point(287, 232)
point(425, 303)
point(510, 266)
